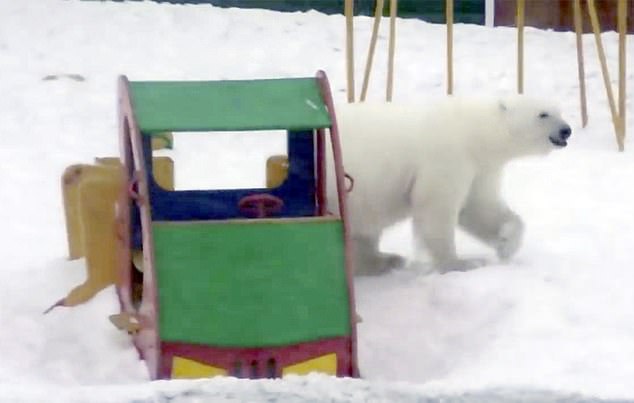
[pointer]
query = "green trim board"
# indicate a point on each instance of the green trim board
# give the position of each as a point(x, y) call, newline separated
point(251, 284)
point(272, 104)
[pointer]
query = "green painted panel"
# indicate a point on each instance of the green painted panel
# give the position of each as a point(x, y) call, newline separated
point(251, 283)
point(292, 104)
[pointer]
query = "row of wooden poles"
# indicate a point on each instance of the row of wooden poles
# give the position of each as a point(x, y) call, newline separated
point(617, 110)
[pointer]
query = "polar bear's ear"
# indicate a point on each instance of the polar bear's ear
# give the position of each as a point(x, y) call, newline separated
point(502, 106)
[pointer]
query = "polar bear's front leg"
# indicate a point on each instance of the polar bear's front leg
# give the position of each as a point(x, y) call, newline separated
point(487, 217)
point(435, 216)
point(436, 234)
point(509, 237)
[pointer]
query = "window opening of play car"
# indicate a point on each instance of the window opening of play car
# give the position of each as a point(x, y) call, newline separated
point(222, 160)
point(135, 265)
point(236, 175)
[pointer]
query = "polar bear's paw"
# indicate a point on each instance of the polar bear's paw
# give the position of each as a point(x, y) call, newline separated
point(447, 266)
point(510, 238)
point(460, 265)
point(377, 263)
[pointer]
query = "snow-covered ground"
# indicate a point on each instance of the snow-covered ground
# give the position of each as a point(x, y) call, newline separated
point(558, 320)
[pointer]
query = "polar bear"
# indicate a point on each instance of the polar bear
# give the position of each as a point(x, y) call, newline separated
point(439, 163)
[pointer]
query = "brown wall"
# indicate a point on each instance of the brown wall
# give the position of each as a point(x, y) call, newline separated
point(558, 14)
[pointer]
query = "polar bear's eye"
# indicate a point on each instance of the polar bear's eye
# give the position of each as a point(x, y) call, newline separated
point(544, 115)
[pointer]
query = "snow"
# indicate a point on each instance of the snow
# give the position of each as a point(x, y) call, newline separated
point(555, 323)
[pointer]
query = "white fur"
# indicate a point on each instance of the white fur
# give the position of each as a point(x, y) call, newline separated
point(441, 165)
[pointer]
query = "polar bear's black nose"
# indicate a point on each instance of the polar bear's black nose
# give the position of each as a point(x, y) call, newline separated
point(565, 132)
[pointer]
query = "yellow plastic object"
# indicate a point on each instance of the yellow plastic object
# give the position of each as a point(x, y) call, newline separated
point(162, 167)
point(326, 364)
point(276, 170)
point(70, 194)
point(125, 321)
point(162, 140)
point(90, 193)
point(185, 368)
point(137, 259)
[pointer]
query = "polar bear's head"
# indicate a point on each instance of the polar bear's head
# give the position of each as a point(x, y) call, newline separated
point(534, 126)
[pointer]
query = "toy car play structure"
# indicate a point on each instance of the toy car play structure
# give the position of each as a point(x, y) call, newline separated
point(248, 282)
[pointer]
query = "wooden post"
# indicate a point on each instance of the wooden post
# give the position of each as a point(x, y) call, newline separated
point(349, 12)
point(378, 13)
point(622, 27)
point(489, 13)
point(520, 46)
point(391, 49)
point(580, 62)
point(449, 24)
point(594, 20)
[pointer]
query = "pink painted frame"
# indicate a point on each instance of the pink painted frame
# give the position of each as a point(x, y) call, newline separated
point(326, 93)
point(146, 339)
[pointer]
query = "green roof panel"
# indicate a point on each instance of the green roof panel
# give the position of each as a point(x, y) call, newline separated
point(291, 104)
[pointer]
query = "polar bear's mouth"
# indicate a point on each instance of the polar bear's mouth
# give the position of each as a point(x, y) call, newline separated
point(559, 142)
point(559, 138)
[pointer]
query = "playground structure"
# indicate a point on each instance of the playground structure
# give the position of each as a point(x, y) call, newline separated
point(250, 283)
point(617, 106)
